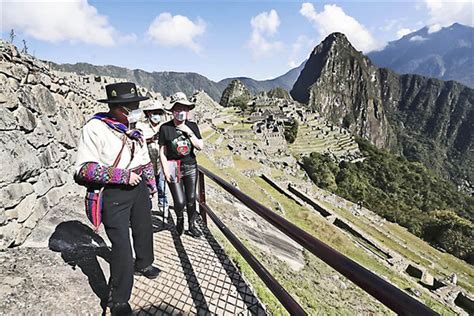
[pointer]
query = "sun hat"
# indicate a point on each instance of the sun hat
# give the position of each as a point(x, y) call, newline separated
point(180, 98)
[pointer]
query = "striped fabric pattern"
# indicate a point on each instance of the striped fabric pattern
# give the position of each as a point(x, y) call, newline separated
point(122, 128)
point(94, 207)
point(92, 172)
point(149, 173)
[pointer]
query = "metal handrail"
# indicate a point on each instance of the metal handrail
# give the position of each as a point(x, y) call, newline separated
point(389, 295)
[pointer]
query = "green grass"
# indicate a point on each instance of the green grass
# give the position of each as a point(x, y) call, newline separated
point(214, 137)
point(261, 290)
point(206, 134)
point(415, 249)
point(258, 189)
point(443, 264)
point(321, 229)
point(245, 164)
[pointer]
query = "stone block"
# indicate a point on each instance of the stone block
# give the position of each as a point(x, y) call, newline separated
point(45, 102)
point(26, 207)
point(26, 119)
point(9, 100)
point(8, 120)
point(55, 195)
point(12, 194)
point(427, 279)
point(17, 71)
point(22, 159)
point(49, 179)
point(8, 233)
point(43, 133)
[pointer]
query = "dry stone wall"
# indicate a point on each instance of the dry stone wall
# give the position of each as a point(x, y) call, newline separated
point(41, 114)
point(39, 131)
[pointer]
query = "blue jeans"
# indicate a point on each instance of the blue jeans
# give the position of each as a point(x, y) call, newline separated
point(162, 199)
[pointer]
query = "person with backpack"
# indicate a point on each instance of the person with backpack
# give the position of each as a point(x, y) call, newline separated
point(113, 163)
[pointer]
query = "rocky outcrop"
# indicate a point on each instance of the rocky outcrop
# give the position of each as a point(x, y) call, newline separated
point(235, 89)
point(206, 108)
point(424, 119)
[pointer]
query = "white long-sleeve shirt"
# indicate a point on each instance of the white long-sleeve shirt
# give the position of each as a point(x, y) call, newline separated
point(100, 143)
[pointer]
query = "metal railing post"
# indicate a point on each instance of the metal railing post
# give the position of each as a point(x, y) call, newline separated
point(202, 197)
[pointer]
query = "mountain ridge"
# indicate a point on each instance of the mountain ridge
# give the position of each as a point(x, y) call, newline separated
point(169, 82)
point(421, 118)
point(445, 54)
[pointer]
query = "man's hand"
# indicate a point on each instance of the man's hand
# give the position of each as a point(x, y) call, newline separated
point(134, 179)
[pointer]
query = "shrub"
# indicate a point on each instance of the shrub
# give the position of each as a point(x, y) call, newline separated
point(403, 192)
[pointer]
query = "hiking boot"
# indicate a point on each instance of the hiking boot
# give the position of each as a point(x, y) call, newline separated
point(149, 272)
point(121, 309)
point(194, 231)
point(180, 225)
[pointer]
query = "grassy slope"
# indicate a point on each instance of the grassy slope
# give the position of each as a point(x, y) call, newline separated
point(317, 226)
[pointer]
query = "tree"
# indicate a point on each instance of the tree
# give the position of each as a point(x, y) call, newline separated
point(12, 35)
point(240, 102)
point(25, 48)
point(291, 131)
point(403, 192)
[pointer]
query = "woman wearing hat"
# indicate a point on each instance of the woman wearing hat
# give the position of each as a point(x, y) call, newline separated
point(150, 128)
point(178, 138)
point(114, 157)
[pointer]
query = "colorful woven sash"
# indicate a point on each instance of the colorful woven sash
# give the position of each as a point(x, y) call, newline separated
point(120, 127)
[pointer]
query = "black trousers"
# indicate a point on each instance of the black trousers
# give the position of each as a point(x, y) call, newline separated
point(126, 206)
point(184, 192)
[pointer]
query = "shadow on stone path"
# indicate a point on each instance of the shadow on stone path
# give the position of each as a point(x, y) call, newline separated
point(197, 278)
point(43, 278)
point(80, 246)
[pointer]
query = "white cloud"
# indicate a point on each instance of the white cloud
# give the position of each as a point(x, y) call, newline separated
point(433, 28)
point(404, 31)
point(417, 38)
point(127, 39)
point(177, 30)
point(334, 19)
point(56, 21)
point(264, 25)
point(300, 50)
point(390, 25)
point(444, 13)
point(266, 22)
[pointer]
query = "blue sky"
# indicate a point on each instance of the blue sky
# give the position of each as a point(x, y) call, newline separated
point(218, 39)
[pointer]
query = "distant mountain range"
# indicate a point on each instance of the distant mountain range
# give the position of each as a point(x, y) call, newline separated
point(284, 81)
point(421, 118)
point(424, 119)
point(446, 54)
point(168, 82)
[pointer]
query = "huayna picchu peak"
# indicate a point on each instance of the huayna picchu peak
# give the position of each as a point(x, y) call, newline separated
point(424, 119)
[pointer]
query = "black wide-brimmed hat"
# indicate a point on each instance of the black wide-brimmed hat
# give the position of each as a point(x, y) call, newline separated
point(123, 92)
